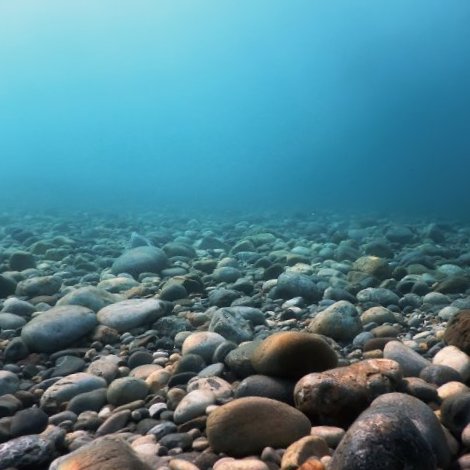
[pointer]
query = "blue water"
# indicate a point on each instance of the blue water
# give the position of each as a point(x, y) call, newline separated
point(293, 104)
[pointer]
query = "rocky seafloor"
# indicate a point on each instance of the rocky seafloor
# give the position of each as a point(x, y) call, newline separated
point(261, 342)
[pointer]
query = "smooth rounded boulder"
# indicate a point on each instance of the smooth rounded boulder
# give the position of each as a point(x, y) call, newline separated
point(203, 343)
point(385, 439)
point(246, 426)
point(132, 313)
point(70, 386)
point(422, 416)
point(58, 328)
point(292, 354)
point(139, 260)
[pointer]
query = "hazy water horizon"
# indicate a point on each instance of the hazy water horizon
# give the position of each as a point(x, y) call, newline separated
point(299, 105)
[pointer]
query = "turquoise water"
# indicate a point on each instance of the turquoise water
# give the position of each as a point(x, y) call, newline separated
point(296, 105)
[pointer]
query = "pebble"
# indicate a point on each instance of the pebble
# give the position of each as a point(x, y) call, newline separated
point(266, 386)
point(203, 343)
point(290, 285)
point(114, 423)
point(28, 421)
point(411, 362)
point(304, 449)
point(378, 315)
point(451, 388)
point(332, 435)
point(339, 321)
point(192, 405)
point(228, 463)
point(126, 390)
point(219, 387)
point(9, 382)
point(454, 358)
point(231, 325)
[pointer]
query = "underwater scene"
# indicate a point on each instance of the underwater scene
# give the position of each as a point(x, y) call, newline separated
point(234, 235)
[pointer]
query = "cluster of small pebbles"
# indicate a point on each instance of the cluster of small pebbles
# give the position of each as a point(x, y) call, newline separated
point(164, 342)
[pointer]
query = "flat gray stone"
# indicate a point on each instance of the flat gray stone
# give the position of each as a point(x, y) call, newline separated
point(72, 385)
point(129, 314)
point(58, 328)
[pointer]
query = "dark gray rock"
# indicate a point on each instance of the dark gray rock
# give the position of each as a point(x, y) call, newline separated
point(7, 286)
point(222, 297)
point(140, 260)
point(28, 421)
point(92, 297)
point(21, 260)
point(231, 324)
point(66, 365)
point(383, 441)
point(291, 285)
point(26, 451)
point(88, 401)
point(268, 387)
point(40, 285)
point(16, 350)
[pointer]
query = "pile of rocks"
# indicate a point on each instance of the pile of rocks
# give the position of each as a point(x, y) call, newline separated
point(269, 343)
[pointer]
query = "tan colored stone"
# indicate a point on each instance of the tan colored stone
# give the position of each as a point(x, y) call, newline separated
point(293, 354)
point(107, 453)
point(302, 450)
point(247, 425)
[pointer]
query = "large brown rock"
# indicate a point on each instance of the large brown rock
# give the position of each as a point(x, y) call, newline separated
point(107, 453)
point(336, 397)
point(458, 331)
point(292, 354)
point(246, 426)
